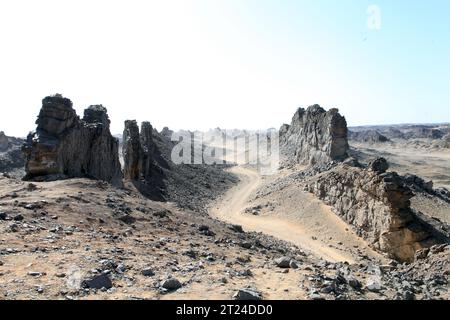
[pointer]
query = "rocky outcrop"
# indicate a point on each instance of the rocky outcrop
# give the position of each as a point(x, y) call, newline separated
point(64, 146)
point(315, 136)
point(4, 142)
point(370, 136)
point(138, 150)
point(446, 138)
point(11, 157)
point(377, 204)
point(423, 132)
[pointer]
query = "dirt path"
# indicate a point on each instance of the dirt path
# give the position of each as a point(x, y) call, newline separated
point(232, 206)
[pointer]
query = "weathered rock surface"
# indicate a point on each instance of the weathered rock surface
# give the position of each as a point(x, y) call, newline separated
point(417, 132)
point(446, 137)
point(315, 136)
point(4, 142)
point(377, 204)
point(11, 157)
point(148, 166)
point(371, 136)
point(131, 150)
point(64, 146)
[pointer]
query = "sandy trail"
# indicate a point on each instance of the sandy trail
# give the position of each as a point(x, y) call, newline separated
point(231, 210)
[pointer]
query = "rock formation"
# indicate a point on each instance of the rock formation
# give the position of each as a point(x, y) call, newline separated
point(424, 132)
point(371, 136)
point(315, 136)
point(446, 137)
point(377, 204)
point(64, 146)
point(4, 142)
point(11, 157)
point(137, 150)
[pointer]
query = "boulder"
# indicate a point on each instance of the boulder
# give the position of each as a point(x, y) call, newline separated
point(247, 295)
point(379, 165)
point(171, 284)
point(64, 146)
point(98, 282)
point(283, 262)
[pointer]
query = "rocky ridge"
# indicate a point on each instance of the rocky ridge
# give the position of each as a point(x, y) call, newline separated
point(377, 204)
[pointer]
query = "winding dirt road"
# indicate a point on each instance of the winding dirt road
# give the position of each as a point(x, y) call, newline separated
point(231, 209)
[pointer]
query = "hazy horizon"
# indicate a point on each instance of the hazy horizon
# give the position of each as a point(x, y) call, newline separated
point(246, 64)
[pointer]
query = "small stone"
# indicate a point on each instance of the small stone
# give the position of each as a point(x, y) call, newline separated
point(237, 228)
point(148, 272)
point(98, 282)
point(19, 217)
point(3, 215)
point(247, 295)
point(283, 262)
point(354, 283)
point(408, 295)
point(246, 245)
point(171, 284)
point(373, 285)
point(316, 297)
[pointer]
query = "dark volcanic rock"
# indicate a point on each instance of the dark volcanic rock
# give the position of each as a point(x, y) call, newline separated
point(64, 146)
point(171, 284)
point(98, 282)
point(247, 295)
point(315, 136)
point(379, 165)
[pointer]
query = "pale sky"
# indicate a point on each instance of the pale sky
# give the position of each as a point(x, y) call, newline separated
point(200, 64)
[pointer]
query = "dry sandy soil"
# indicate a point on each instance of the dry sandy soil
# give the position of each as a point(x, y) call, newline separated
point(59, 233)
point(55, 235)
point(291, 215)
point(406, 157)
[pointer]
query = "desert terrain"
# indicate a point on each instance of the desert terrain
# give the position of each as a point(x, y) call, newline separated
point(335, 222)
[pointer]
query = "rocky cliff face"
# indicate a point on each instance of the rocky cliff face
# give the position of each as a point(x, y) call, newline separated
point(138, 150)
point(315, 136)
point(64, 146)
point(4, 142)
point(377, 204)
